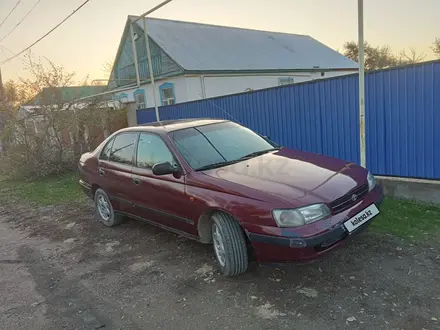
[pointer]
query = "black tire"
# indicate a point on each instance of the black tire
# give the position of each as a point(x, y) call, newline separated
point(235, 260)
point(113, 219)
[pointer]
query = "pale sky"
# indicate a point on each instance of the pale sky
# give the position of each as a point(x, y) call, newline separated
point(91, 37)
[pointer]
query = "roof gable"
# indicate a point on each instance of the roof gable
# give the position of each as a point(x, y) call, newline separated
point(124, 72)
point(202, 47)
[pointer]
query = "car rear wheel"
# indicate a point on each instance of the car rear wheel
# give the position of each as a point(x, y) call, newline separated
point(229, 245)
point(104, 210)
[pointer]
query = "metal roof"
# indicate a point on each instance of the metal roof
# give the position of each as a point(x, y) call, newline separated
point(202, 47)
point(66, 94)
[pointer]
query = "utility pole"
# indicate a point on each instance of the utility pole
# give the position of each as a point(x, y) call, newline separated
point(147, 45)
point(361, 82)
point(1, 86)
point(135, 58)
point(150, 68)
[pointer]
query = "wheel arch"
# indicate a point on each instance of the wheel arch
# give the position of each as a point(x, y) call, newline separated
point(204, 225)
point(94, 188)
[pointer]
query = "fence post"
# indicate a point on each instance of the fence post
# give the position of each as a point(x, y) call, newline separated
point(361, 83)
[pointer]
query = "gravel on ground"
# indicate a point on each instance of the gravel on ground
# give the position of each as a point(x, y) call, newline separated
point(61, 269)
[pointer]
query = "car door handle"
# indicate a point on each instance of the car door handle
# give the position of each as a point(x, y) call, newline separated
point(137, 181)
point(101, 172)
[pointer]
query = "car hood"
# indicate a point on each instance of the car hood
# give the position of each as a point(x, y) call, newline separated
point(295, 175)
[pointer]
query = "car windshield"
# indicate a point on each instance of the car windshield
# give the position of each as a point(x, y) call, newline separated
point(217, 145)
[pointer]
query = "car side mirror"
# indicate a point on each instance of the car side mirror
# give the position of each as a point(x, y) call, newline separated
point(164, 169)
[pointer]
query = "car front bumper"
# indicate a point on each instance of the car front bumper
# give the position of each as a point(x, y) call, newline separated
point(290, 247)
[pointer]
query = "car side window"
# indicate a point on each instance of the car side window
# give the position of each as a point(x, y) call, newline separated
point(123, 148)
point(105, 153)
point(152, 150)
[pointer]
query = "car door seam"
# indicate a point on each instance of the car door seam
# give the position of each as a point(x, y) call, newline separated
point(170, 215)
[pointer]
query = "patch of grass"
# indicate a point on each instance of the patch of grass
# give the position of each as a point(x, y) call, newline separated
point(55, 190)
point(408, 219)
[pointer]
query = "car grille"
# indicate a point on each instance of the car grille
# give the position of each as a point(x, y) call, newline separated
point(347, 201)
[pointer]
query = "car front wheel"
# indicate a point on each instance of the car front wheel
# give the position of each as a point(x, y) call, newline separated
point(104, 209)
point(229, 245)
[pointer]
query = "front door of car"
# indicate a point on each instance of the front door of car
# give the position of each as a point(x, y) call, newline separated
point(114, 170)
point(161, 199)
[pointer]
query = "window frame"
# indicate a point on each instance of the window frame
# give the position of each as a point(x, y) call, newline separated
point(285, 81)
point(103, 148)
point(173, 154)
point(167, 85)
point(30, 126)
point(140, 105)
point(123, 98)
point(133, 154)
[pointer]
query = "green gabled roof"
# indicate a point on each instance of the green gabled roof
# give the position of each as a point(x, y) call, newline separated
point(67, 94)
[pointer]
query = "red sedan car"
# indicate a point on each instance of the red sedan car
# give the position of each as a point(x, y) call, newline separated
point(218, 182)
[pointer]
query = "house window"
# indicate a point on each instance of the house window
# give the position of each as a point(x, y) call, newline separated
point(285, 81)
point(123, 98)
point(39, 126)
point(139, 97)
point(167, 95)
point(30, 126)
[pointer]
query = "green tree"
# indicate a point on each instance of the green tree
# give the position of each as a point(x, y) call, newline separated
point(375, 57)
point(382, 56)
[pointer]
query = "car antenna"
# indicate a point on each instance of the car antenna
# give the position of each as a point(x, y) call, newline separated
point(235, 119)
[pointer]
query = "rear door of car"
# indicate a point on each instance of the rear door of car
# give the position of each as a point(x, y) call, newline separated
point(161, 199)
point(115, 169)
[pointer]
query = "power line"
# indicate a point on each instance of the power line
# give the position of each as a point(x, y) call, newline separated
point(12, 10)
point(24, 17)
point(3, 48)
point(45, 35)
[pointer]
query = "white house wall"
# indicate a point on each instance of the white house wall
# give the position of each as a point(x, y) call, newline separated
point(190, 88)
point(180, 91)
point(218, 86)
point(194, 88)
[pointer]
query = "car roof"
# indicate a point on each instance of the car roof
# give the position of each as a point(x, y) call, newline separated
point(174, 125)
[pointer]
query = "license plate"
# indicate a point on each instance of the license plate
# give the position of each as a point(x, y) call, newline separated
point(362, 217)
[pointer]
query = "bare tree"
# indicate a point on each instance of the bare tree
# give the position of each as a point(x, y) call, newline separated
point(436, 47)
point(107, 67)
point(45, 76)
point(412, 57)
point(16, 93)
point(48, 134)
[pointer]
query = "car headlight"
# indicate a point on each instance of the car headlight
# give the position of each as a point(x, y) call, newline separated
point(300, 216)
point(371, 181)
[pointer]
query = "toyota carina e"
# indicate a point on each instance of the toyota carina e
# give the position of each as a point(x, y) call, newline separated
point(223, 184)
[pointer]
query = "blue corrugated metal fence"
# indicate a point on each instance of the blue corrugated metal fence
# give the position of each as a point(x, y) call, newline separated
point(402, 117)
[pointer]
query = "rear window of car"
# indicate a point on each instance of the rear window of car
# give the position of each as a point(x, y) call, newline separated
point(105, 153)
point(123, 148)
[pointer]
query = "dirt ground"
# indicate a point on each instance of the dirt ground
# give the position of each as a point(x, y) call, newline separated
point(61, 269)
